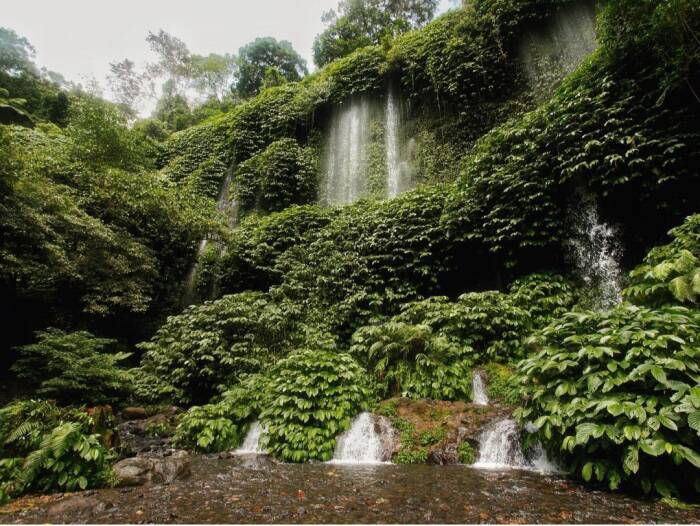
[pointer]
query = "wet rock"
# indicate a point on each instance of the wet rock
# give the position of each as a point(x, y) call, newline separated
point(68, 509)
point(389, 438)
point(141, 470)
point(134, 413)
point(150, 435)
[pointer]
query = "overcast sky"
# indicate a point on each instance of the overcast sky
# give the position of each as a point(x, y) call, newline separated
point(79, 38)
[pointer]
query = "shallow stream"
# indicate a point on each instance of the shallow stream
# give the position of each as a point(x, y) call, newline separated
point(251, 489)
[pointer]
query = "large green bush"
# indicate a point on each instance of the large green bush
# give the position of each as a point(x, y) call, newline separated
point(209, 347)
point(544, 296)
point(43, 447)
point(74, 368)
point(313, 396)
point(282, 175)
point(488, 322)
point(670, 273)
point(252, 251)
point(409, 360)
point(222, 426)
point(615, 395)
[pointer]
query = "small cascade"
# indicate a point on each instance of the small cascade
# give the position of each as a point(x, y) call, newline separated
point(398, 166)
point(556, 47)
point(251, 444)
point(229, 208)
point(500, 447)
point(393, 157)
point(596, 252)
point(368, 441)
point(346, 157)
point(479, 396)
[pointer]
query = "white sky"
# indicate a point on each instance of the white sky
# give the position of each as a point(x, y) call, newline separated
point(79, 38)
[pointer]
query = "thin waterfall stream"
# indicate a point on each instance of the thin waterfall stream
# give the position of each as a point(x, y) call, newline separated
point(500, 447)
point(229, 208)
point(346, 157)
point(596, 252)
point(366, 442)
point(479, 396)
point(251, 443)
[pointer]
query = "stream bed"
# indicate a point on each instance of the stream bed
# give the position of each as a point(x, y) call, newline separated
point(251, 489)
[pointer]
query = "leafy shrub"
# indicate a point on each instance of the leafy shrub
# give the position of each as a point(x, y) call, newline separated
point(466, 453)
point(410, 360)
point(222, 426)
point(411, 456)
point(44, 447)
point(313, 395)
point(545, 296)
point(372, 257)
point(74, 368)
point(432, 436)
point(488, 322)
point(615, 395)
point(502, 383)
point(249, 262)
point(282, 175)
point(670, 273)
point(210, 347)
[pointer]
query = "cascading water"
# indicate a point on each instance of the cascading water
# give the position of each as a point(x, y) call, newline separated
point(553, 50)
point(398, 167)
point(227, 207)
point(346, 158)
point(251, 444)
point(479, 396)
point(366, 442)
point(500, 448)
point(393, 157)
point(596, 252)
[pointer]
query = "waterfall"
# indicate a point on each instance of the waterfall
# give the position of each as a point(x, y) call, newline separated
point(500, 448)
point(596, 252)
point(393, 158)
point(556, 47)
point(346, 159)
point(368, 441)
point(227, 207)
point(251, 444)
point(479, 396)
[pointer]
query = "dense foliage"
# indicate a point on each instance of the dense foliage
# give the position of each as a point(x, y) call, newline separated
point(76, 368)
point(409, 360)
point(209, 347)
point(313, 395)
point(486, 321)
point(284, 174)
point(615, 394)
point(43, 447)
point(670, 273)
point(222, 426)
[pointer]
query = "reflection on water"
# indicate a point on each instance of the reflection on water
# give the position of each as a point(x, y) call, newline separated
point(233, 491)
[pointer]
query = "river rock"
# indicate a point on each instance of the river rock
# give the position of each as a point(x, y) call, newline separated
point(71, 508)
point(134, 413)
point(137, 471)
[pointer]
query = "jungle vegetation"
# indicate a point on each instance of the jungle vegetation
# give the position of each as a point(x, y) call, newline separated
point(324, 311)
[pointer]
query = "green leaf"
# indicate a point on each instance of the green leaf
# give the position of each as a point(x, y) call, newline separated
point(587, 471)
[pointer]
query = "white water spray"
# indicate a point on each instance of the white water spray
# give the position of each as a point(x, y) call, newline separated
point(251, 444)
point(346, 159)
point(479, 396)
point(500, 448)
point(229, 208)
point(596, 252)
point(366, 442)
point(556, 48)
point(393, 157)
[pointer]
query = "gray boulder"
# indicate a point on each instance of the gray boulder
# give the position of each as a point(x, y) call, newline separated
point(137, 471)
